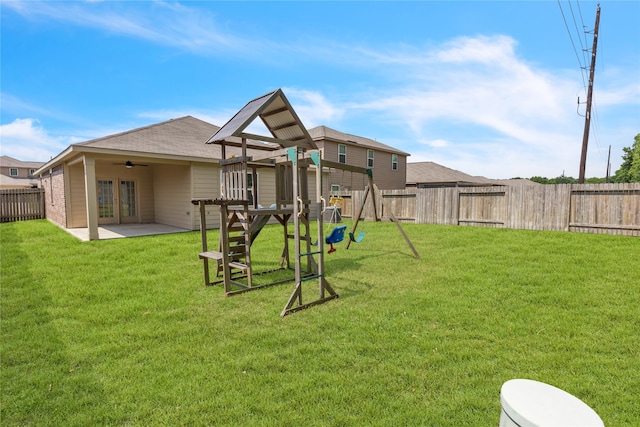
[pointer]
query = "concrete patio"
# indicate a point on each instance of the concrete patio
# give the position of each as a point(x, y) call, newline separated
point(125, 230)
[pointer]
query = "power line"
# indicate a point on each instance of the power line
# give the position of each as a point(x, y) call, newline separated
point(582, 46)
point(583, 72)
point(583, 26)
point(584, 83)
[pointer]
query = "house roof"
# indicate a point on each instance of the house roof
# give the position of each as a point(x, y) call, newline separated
point(278, 116)
point(182, 138)
point(320, 133)
point(10, 162)
point(11, 182)
point(434, 174)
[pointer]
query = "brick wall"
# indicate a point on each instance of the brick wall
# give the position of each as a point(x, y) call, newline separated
point(54, 196)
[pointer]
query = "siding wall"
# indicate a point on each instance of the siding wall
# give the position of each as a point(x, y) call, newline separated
point(205, 178)
point(22, 172)
point(172, 195)
point(383, 175)
point(76, 203)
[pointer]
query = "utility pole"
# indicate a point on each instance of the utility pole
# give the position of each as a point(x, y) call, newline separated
point(608, 164)
point(587, 119)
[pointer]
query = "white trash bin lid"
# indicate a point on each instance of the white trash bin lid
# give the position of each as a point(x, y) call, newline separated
point(534, 404)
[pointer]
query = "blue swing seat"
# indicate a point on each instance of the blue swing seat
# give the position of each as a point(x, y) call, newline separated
point(336, 236)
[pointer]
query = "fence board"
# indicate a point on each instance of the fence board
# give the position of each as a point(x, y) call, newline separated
point(21, 204)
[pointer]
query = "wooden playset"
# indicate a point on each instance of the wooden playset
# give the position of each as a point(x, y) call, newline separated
point(294, 156)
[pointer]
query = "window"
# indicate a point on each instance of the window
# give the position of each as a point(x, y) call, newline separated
point(369, 158)
point(394, 162)
point(13, 172)
point(31, 172)
point(250, 186)
point(342, 153)
point(252, 195)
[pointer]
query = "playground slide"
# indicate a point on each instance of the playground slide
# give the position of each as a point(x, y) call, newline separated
point(259, 222)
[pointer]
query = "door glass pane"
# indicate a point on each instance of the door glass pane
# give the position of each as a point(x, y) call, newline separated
point(105, 199)
point(128, 198)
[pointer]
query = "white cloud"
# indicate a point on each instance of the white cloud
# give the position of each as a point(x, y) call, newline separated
point(170, 24)
point(435, 143)
point(312, 107)
point(475, 105)
point(27, 140)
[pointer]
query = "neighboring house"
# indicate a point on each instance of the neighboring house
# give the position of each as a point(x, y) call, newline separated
point(434, 175)
point(388, 165)
point(15, 173)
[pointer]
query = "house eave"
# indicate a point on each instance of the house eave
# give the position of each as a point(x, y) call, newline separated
point(72, 150)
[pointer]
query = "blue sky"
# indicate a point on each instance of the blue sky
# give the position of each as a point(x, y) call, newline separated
point(488, 88)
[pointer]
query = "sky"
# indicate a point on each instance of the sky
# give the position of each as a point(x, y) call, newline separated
point(487, 88)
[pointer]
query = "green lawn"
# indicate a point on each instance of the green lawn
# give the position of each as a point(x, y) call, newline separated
point(123, 332)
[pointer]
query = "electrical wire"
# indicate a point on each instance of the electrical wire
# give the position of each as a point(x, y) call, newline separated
point(594, 123)
point(573, 44)
point(583, 47)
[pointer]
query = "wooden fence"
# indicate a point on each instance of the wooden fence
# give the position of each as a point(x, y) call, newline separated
point(588, 208)
point(21, 204)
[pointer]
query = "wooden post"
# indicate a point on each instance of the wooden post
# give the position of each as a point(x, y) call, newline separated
point(395, 220)
point(360, 209)
point(203, 235)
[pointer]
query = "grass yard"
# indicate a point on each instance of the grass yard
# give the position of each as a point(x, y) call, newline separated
point(123, 332)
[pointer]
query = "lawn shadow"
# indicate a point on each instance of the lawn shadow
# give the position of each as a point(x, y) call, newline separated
point(38, 377)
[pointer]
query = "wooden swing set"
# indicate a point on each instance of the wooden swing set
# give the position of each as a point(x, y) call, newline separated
point(294, 156)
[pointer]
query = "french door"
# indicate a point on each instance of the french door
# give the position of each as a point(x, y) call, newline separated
point(128, 205)
point(117, 201)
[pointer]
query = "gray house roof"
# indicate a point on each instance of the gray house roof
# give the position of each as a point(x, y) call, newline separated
point(183, 138)
point(10, 182)
point(323, 132)
point(434, 174)
point(10, 162)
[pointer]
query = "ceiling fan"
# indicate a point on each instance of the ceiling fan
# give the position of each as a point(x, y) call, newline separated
point(129, 164)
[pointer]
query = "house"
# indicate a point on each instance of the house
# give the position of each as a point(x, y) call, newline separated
point(388, 165)
point(145, 175)
point(434, 175)
point(16, 173)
